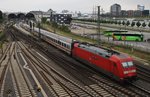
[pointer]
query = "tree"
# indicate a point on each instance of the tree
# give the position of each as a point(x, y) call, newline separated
point(144, 25)
point(111, 22)
point(132, 24)
point(1, 15)
point(44, 19)
point(149, 25)
point(123, 22)
point(119, 22)
point(116, 22)
point(64, 28)
point(128, 23)
point(108, 21)
point(138, 24)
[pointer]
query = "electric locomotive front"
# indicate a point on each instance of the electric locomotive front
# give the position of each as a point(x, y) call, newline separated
point(127, 70)
point(117, 65)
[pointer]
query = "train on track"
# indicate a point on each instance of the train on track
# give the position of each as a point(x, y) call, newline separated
point(118, 66)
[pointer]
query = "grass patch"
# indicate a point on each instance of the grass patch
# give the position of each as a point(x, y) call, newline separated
point(2, 35)
point(2, 39)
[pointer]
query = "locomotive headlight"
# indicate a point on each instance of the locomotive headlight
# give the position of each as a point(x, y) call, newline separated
point(130, 71)
point(133, 70)
point(126, 72)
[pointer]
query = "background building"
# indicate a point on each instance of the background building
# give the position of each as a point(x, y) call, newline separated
point(115, 10)
point(146, 13)
point(140, 7)
point(124, 13)
point(137, 13)
point(62, 19)
point(130, 13)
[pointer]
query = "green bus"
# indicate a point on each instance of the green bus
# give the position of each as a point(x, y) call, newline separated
point(128, 37)
point(111, 32)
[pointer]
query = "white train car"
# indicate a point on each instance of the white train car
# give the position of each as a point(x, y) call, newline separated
point(56, 40)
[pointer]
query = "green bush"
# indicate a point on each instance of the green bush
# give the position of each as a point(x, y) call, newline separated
point(44, 19)
point(2, 36)
point(64, 28)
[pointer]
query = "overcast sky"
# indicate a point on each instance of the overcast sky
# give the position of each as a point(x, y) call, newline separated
point(71, 5)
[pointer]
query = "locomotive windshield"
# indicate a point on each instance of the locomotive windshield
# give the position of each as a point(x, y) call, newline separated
point(127, 64)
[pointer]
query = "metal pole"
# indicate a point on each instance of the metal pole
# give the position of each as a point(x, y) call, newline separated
point(98, 23)
point(39, 30)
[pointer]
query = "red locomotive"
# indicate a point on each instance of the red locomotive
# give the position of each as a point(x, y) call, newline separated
point(114, 64)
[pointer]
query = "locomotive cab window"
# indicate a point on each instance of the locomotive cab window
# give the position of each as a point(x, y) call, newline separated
point(127, 64)
point(64, 45)
point(124, 64)
point(130, 64)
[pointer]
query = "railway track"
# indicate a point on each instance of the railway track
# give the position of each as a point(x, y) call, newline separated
point(9, 64)
point(73, 88)
point(17, 75)
point(62, 84)
point(20, 81)
point(144, 73)
point(5, 59)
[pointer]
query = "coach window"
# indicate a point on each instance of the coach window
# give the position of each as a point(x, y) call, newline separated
point(59, 42)
point(67, 46)
point(64, 45)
